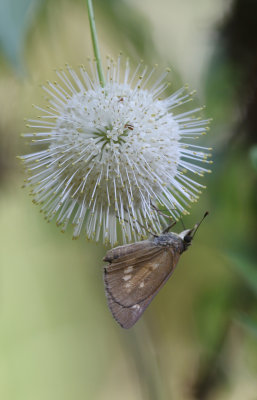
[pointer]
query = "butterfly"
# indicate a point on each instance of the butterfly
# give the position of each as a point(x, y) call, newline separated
point(136, 272)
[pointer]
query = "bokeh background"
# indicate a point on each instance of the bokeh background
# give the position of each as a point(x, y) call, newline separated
point(198, 340)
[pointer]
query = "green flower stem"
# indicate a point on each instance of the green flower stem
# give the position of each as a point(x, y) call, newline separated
point(95, 42)
point(141, 351)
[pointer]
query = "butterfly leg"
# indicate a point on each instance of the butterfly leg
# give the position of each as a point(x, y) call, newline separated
point(169, 227)
point(166, 216)
point(142, 226)
point(161, 212)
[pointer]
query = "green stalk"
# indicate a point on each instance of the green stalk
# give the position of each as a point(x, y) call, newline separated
point(95, 42)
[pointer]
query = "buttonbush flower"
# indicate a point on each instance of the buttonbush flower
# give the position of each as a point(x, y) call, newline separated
point(107, 155)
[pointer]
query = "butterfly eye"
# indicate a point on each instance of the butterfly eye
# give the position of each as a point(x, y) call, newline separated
point(187, 239)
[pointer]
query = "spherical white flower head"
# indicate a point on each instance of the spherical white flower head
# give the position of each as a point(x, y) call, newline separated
point(113, 153)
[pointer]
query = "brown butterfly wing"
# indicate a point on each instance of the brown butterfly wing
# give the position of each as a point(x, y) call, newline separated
point(133, 282)
point(126, 316)
point(130, 253)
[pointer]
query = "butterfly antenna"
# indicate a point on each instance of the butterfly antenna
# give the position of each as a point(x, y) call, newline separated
point(199, 223)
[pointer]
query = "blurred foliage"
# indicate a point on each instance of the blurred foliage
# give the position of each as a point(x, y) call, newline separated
point(128, 27)
point(234, 65)
point(198, 338)
point(248, 323)
point(253, 157)
point(16, 17)
point(123, 22)
point(239, 40)
point(247, 270)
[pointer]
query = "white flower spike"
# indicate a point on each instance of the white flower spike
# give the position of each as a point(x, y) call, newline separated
point(107, 154)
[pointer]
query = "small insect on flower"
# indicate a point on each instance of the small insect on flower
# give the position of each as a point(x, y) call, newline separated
point(106, 153)
point(136, 272)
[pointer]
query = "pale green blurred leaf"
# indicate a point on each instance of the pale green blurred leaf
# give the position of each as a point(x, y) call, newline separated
point(16, 17)
point(253, 156)
point(246, 269)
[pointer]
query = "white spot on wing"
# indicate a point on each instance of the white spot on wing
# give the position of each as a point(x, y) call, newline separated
point(128, 269)
point(136, 307)
point(141, 285)
point(126, 277)
point(155, 266)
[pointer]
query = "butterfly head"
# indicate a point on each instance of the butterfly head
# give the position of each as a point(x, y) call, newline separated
point(188, 234)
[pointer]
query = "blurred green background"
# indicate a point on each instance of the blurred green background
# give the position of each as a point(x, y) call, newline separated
point(198, 340)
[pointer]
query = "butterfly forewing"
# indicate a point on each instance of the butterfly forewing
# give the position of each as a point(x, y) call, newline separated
point(132, 279)
point(132, 284)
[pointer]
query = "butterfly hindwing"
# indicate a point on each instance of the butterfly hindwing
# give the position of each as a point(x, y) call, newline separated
point(126, 316)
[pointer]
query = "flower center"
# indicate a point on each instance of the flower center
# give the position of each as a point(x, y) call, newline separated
point(110, 134)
